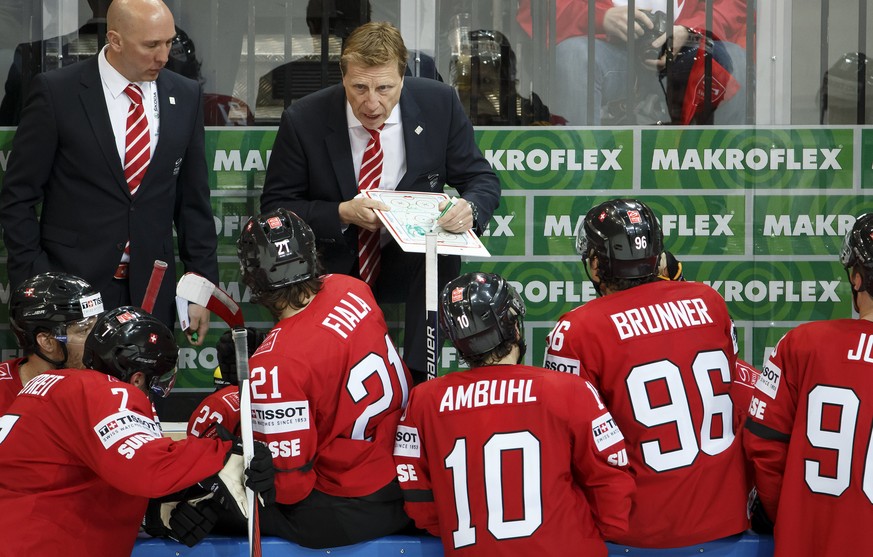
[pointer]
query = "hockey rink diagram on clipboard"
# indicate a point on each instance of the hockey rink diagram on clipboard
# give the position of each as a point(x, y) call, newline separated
point(413, 214)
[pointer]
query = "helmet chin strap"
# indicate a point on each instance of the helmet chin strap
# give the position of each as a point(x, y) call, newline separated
point(59, 364)
point(590, 279)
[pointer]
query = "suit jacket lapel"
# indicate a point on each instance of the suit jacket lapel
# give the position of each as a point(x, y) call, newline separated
point(167, 117)
point(414, 141)
point(94, 104)
point(338, 146)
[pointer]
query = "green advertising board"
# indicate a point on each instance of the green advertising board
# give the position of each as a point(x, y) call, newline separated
point(759, 214)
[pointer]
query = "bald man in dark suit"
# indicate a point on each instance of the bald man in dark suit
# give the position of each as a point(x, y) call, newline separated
point(68, 153)
point(427, 142)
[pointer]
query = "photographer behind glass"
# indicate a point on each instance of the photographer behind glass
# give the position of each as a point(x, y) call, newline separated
point(611, 56)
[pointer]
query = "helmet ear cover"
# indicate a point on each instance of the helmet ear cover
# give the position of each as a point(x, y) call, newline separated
point(479, 312)
point(275, 250)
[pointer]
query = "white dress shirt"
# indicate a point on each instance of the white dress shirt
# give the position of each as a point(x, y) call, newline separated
point(118, 103)
point(393, 148)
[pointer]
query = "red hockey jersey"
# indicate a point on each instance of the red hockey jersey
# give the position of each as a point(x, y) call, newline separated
point(808, 437)
point(81, 455)
point(221, 407)
point(663, 355)
point(327, 389)
point(10, 383)
point(513, 460)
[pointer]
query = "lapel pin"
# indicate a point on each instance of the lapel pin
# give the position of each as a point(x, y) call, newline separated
point(172, 100)
point(418, 130)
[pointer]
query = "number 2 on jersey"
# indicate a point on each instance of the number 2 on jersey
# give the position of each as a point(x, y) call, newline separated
point(374, 364)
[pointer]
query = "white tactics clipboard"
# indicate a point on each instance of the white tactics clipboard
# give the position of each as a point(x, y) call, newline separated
point(412, 216)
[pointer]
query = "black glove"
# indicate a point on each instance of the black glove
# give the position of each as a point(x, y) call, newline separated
point(260, 474)
point(186, 522)
point(761, 523)
point(227, 355)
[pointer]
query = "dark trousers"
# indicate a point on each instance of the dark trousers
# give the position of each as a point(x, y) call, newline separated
point(401, 280)
point(321, 520)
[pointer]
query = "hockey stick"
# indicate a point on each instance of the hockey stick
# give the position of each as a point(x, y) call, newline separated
point(202, 291)
point(431, 295)
point(151, 293)
point(241, 350)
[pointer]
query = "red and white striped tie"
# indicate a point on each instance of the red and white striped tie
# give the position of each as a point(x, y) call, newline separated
point(369, 251)
point(137, 146)
point(137, 140)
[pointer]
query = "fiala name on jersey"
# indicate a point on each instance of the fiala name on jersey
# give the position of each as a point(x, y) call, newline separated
point(346, 315)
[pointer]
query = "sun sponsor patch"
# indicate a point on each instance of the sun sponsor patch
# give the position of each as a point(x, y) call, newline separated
point(605, 432)
point(768, 381)
point(407, 442)
point(123, 424)
point(280, 417)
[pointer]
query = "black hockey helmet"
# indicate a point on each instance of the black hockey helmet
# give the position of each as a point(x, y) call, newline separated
point(480, 311)
point(50, 302)
point(127, 340)
point(857, 251)
point(625, 236)
point(275, 250)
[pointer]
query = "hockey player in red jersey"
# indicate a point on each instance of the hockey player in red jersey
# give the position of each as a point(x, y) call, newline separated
point(51, 315)
point(507, 459)
point(662, 353)
point(328, 387)
point(222, 406)
point(809, 427)
point(81, 451)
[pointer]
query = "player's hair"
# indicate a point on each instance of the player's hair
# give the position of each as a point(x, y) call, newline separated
point(374, 44)
point(617, 284)
point(499, 352)
point(293, 296)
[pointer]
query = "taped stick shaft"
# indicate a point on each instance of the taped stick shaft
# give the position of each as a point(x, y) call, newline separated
point(154, 286)
point(241, 351)
point(431, 297)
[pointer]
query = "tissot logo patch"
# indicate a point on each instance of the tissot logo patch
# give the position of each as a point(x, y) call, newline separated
point(768, 381)
point(280, 417)
point(123, 424)
point(407, 442)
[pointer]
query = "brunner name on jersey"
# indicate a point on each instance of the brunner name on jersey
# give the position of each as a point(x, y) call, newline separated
point(657, 318)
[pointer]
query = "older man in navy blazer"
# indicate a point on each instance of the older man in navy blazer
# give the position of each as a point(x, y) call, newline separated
point(426, 141)
point(99, 221)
